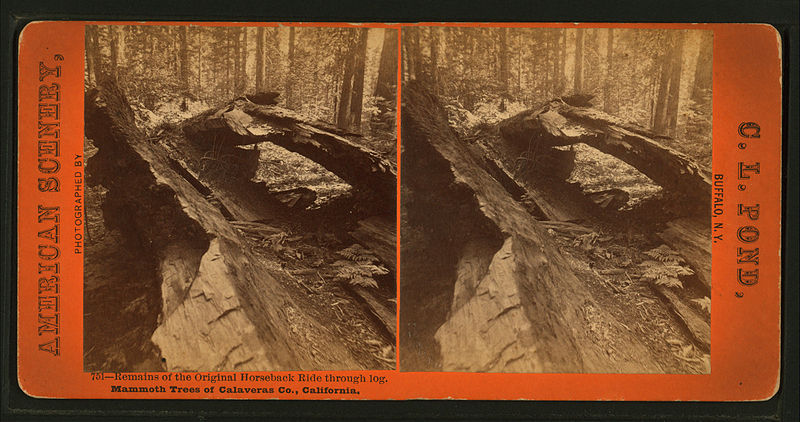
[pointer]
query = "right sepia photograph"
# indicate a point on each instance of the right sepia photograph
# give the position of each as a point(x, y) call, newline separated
point(555, 200)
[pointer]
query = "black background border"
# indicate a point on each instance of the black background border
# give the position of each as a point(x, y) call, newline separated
point(783, 14)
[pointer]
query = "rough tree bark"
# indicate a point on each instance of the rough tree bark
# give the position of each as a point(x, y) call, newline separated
point(434, 65)
point(260, 59)
point(357, 99)
point(346, 92)
point(243, 67)
point(702, 73)
point(113, 35)
point(386, 86)
point(91, 54)
point(498, 296)
point(578, 64)
point(666, 110)
point(563, 62)
point(673, 100)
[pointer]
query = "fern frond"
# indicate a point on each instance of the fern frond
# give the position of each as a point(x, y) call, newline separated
point(358, 253)
point(678, 270)
point(364, 282)
point(664, 274)
point(665, 254)
point(667, 281)
point(376, 269)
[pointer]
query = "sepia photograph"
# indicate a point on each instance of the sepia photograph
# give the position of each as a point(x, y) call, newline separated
point(240, 198)
point(556, 200)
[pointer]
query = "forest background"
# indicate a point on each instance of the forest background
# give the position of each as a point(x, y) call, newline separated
point(346, 76)
point(660, 79)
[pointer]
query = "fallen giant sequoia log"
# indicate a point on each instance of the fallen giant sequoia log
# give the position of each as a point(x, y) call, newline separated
point(242, 122)
point(559, 124)
point(223, 309)
point(481, 277)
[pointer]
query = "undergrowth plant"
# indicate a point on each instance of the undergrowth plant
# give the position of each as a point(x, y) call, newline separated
point(359, 267)
point(666, 267)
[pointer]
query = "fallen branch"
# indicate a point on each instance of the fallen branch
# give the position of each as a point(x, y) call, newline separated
point(566, 226)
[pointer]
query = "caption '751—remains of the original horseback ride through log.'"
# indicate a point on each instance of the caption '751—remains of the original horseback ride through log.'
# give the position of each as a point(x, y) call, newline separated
point(555, 200)
point(244, 181)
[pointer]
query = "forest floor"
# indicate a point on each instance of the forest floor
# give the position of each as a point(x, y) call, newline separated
point(609, 261)
point(309, 264)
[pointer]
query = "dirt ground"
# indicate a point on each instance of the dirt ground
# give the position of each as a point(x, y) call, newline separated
point(607, 261)
point(307, 264)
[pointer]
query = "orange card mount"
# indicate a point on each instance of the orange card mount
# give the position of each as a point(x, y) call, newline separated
point(215, 211)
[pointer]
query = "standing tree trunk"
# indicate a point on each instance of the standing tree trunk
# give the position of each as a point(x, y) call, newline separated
point(386, 87)
point(357, 99)
point(91, 54)
point(236, 60)
point(519, 66)
point(260, 59)
point(199, 61)
point(660, 113)
point(228, 64)
point(675, 84)
point(435, 59)
point(504, 63)
point(184, 58)
point(243, 66)
point(414, 53)
point(345, 93)
point(113, 38)
point(272, 59)
point(555, 51)
point(563, 61)
point(289, 79)
point(578, 80)
point(666, 107)
point(405, 57)
point(608, 87)
point(703, 69)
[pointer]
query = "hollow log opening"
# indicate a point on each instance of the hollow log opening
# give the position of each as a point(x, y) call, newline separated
point(440, 228)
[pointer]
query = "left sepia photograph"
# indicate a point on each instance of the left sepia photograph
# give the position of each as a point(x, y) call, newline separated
point(240, 197)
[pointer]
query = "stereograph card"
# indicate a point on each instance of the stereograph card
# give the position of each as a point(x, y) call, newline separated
point(539, 211)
